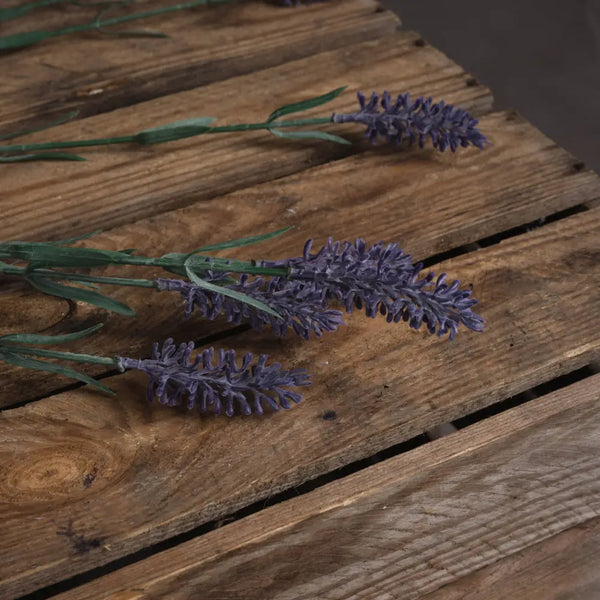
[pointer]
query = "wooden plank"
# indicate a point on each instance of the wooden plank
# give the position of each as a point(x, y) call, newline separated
point(405, 526)
point(522, 177)
point(120, 185)
point(564, 567)
point(385, 384)
point(95, 73)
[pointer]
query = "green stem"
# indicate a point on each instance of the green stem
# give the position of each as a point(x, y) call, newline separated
point(130, 139)
point(142, 15)
point(219, 265)
point(146, 283)
point(22, 9)
point(72, 356)
point(73, 144)
point(29, 38)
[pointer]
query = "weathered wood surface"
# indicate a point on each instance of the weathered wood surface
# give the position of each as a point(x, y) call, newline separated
point(564, 567)
point(381, 395)
point(522, 177)
point(403, 527)
point(95, 73)
point(124, 184)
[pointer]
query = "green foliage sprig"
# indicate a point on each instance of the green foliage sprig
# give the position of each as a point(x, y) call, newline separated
point(185, 129)
point(42, 265)
point(29, 38)
point(15, 349)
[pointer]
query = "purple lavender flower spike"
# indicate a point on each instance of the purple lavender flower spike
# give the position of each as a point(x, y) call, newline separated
point(302, 307)
point(383, 279)
point(173, 375)
point(446, 125)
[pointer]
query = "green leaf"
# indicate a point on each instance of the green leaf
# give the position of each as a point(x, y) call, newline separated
point(14, 12)
point(174, 131)
point(229, 292)
point(34, 338)
point(247, 241)
point(41, 156)
point(48, 254)
point(63, 119)
point(72, 293)
point(305, 104)
point(6, 14)
point(38, 365)
point(309, 135)
point(20, 40)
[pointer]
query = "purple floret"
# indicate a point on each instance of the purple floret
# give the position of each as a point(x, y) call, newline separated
point(383, 279)
point(301, 306)
point(173, 374)
point(446, 125)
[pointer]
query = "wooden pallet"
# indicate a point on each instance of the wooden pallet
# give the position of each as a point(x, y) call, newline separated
point(355, 493)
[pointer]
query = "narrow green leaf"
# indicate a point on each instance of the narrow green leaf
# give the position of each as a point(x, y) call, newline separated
point(6, 14)
point(38, 365)
point(34, 338)
point(229, 292)
point(72, 293)
point(310, 135)
point(254, 239)
point(305, 104)
point(20, 40)
point(63, 119)
point(41, 156)
point(48, 254)
point(174, 131)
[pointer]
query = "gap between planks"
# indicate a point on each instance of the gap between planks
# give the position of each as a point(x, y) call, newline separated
point(522, 177)
point(404, 527)
point(534, 292)
point(308, 486)
point(93, 73)
point(123, 184)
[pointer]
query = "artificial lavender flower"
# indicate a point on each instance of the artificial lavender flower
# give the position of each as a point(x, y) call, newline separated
point(383, 279)
point(173, 374)
point(301, 306)
point(446, 125)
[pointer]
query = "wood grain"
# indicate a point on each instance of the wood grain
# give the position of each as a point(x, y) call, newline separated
point(168, 471)
point(96, 73)
point(438, 202)
point(124, 184)
point(563, 567)
point(406, 526)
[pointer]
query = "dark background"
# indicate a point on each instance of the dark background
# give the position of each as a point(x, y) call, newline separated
point(541, 57)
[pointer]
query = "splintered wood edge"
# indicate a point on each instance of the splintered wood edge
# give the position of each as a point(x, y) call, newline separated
point(288, 525)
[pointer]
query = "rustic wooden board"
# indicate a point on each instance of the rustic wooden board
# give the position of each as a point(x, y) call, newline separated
point(403, 527)
point(125, 184)
point(522, 177)
point(94, 73)
point(564, 567)
point(385, 384)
